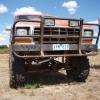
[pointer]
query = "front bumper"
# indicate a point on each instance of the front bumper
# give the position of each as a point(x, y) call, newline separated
point(49, 47)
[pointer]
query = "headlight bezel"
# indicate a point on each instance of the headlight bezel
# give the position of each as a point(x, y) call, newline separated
point(73, 21)
point(47, 22)
point(87, 34)
point(21, 32)
point(27, 29)
point(86, 37)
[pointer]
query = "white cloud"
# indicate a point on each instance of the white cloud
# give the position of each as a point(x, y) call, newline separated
point(71, 6)
point(4, 36)
point(3, 8)
point(2, 39)
point(96, 22)
point(26, 10)
point(5, 33)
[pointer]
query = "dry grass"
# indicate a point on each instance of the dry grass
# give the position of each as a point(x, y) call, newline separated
point(52, 86)
point(4, 51)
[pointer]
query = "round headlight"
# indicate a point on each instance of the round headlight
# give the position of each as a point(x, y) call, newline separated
point(21, 32)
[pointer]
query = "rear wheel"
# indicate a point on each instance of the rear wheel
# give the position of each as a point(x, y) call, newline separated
point(80, 69)
point(17, 71)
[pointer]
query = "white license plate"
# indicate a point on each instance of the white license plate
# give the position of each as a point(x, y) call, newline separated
point(60, 47)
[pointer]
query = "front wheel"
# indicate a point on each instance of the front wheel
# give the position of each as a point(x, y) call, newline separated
point(17, 71)
point(79, 69)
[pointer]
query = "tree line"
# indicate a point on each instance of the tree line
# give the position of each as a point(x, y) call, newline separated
point(3, 47)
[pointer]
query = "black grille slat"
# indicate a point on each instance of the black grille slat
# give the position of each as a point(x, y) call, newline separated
point(54, 39)
point(58, 31)
point(57, 42)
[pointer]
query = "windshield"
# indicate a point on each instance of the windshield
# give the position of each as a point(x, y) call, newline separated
point(28, 17)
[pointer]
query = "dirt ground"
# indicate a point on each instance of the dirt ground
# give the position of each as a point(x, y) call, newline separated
point(58, 89)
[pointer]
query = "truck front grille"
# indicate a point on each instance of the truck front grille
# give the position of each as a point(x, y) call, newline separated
point(57, 31)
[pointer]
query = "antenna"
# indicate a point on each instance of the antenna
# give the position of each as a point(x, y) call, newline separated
point(62, 14)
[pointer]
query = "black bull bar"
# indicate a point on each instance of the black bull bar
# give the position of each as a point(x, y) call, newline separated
point(80, 46)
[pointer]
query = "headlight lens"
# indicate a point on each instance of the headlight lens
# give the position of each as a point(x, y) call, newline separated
point(49, 22)
point(88, 33)
point(21, 32)
point(73, 23)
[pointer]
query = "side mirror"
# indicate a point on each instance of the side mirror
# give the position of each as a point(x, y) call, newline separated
point(8, 28)
point(99, 20)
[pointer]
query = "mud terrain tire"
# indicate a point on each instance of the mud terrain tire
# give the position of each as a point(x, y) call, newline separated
point(17, 71)
point(80, 69)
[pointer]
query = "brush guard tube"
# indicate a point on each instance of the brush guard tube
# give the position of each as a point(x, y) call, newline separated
point(80, 46)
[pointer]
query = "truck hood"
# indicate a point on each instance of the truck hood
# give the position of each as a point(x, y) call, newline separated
point(57, 23)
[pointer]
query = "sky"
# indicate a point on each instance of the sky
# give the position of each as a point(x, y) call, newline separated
point(86, 9)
